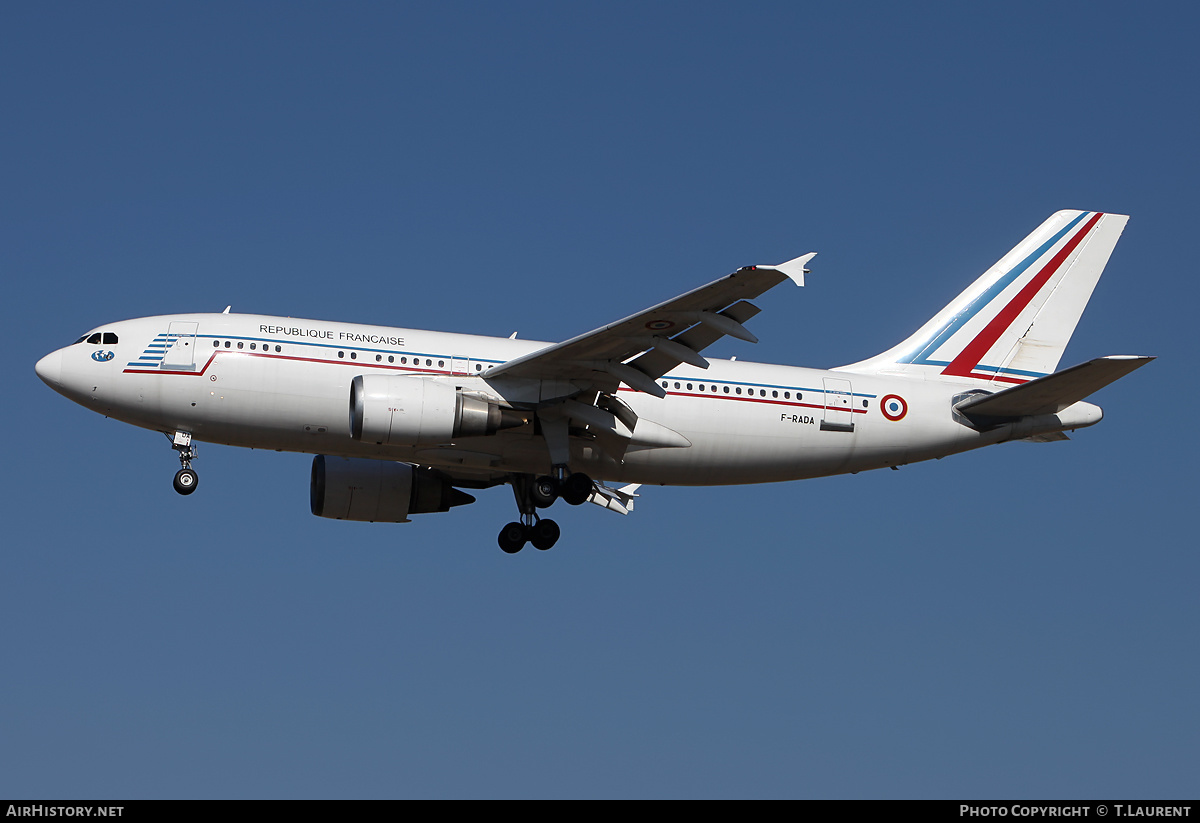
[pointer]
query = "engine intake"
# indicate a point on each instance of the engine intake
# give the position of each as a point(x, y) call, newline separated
point(345, 488)
point(403, 411)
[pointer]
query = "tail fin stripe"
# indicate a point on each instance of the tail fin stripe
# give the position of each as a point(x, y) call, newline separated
point(963, 317)
point(1014, 322)
point(968, 359)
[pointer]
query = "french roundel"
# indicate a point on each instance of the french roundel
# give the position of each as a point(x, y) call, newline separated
point(893, 407)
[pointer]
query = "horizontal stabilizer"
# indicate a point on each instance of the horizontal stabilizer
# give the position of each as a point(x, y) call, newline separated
point(1054, 392)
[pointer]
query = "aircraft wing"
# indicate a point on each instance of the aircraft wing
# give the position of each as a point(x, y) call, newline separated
point(644, 346)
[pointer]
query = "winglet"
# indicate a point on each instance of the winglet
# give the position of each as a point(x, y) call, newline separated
point(794, 269)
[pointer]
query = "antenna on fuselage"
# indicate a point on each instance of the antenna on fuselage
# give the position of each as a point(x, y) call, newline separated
point(227, 308)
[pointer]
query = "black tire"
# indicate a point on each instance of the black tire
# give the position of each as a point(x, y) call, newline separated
point(576, 489)
point(512, 538)
point(544, 492)
point(544, 534)
point(186, 481)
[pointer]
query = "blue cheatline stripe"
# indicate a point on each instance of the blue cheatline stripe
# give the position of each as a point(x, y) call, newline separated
point(963, 317)
point(347, 346)
point(999, 370)
point(695, 380)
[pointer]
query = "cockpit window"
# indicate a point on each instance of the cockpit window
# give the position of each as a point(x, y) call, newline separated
point(80, 340)
point(95, 338)
point(110, 339)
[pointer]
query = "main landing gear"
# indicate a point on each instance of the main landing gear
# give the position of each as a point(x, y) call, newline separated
point(186, 478)
point(540, 493)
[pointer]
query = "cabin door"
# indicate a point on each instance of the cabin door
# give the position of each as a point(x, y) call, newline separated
point(181, 346)
point(839, 399)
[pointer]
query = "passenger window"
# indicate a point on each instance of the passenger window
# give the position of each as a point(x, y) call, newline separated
point(726, 389)
point(110, 339)
point(251, 347)
point(226, 344)
point(216, 344)
point(391, 358)
point(738, 390)
point(441, 364)
point(478, 367)
point(353, 355)
point(278, 349)
point(774, 394)
point(378, 358)
point(342, 354)
point(239, 344)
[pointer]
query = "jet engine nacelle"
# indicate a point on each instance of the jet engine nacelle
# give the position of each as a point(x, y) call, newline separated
point(405, 411)
point(378, 490)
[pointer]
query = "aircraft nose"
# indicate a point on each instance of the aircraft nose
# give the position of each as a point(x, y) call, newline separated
point(49, 368)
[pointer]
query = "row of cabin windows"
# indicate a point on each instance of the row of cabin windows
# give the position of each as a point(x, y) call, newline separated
point(99, 338)
point(416, 361)
point(242, 345)
point(787, 395)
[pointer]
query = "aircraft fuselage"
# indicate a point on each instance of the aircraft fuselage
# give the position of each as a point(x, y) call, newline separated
point(284, 384)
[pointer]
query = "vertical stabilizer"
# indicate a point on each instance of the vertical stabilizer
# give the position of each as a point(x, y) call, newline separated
point(1013, 323)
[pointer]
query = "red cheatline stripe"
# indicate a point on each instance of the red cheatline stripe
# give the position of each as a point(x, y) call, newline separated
point(974, 351)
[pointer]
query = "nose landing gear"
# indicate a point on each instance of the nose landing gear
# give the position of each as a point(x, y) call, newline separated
point(186, 478)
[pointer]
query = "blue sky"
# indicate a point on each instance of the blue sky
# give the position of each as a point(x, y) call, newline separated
point(1016, 622)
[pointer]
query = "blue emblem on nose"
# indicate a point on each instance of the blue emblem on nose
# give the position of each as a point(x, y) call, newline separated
point(103, 356)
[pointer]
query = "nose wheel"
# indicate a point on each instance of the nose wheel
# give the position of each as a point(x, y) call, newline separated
point(185, 481)
point(186, 478)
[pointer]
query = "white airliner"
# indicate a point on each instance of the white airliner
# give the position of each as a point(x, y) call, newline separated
point(401, 420)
